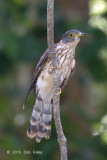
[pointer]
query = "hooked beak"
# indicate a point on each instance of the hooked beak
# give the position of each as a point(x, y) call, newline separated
point(81, 34)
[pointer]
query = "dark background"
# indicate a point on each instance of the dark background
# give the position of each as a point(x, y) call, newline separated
point(23, 39)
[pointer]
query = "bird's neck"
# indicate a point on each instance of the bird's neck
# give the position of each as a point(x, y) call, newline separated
point(67, 47)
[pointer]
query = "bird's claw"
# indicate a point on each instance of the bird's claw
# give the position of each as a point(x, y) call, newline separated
point(59, 91)
point(59, 67)
point(56, 67)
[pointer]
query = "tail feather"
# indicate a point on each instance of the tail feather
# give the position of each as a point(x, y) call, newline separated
point(40, 123)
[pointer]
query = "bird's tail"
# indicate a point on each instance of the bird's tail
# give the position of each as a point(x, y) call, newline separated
point(40, 122)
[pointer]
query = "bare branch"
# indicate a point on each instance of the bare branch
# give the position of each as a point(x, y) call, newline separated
point(56, 98)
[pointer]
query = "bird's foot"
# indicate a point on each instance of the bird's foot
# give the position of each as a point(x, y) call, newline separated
point(56, 67)
point(60, 91)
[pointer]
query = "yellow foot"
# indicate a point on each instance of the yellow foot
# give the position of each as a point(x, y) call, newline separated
point(59, 91)
point(59, 67)
point(56, 67)
point(53, 67)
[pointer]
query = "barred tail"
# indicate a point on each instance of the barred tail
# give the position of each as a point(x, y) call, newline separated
point(40, 123)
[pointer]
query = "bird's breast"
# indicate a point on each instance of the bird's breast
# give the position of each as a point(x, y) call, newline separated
point(67, 63)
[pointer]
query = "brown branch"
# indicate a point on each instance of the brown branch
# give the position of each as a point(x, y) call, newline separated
point(56, 98)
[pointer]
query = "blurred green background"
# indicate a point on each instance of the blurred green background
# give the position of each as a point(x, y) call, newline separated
point(23, 39)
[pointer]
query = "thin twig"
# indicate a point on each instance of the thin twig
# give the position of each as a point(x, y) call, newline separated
point(56, 98)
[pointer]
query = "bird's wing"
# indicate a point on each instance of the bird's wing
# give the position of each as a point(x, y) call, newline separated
point(38, 70)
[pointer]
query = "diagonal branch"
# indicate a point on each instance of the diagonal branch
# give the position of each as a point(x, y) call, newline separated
point(56, 98)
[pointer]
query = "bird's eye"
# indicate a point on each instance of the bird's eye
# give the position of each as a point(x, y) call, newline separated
point(70, 34)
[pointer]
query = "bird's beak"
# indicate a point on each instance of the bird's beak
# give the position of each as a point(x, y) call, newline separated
point(81, 34)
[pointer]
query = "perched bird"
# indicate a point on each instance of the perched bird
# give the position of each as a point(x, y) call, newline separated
point(42, 83)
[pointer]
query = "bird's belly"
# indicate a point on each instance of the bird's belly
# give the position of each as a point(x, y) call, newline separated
point(45, 85)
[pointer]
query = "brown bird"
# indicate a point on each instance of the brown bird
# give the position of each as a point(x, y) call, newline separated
point(42, 83)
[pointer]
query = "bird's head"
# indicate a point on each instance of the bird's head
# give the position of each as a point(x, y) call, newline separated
point(72, 36)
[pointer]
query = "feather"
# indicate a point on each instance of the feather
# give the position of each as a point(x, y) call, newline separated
point(38, 70)
point(40, 123)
